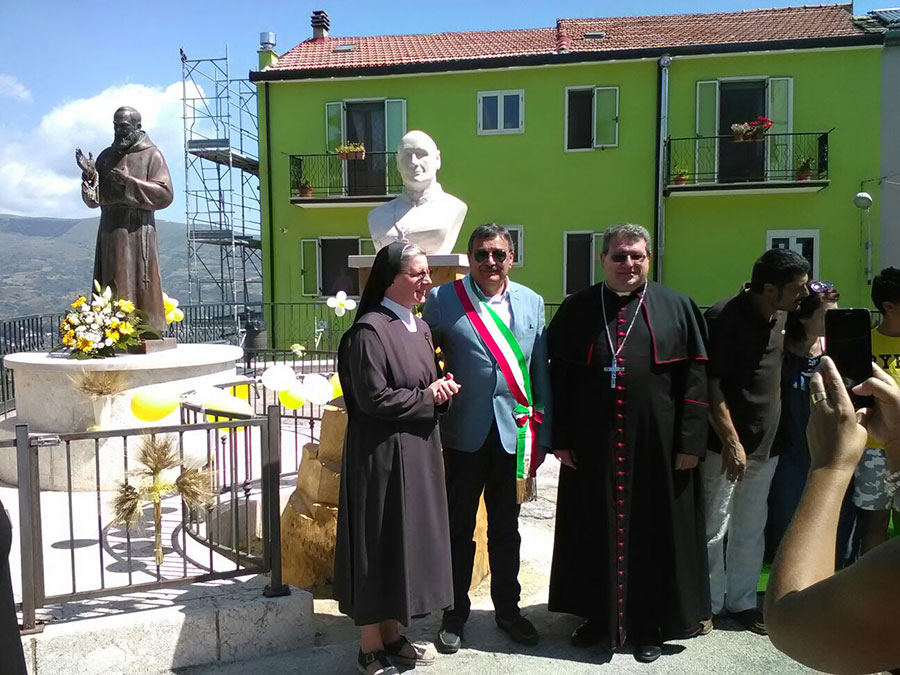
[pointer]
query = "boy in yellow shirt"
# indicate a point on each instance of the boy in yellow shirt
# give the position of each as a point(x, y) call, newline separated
point(868, 493)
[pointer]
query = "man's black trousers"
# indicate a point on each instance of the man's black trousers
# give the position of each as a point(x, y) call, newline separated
point(12, 660)
point(493, 470)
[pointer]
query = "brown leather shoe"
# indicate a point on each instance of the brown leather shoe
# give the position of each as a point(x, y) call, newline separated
point(752, 620)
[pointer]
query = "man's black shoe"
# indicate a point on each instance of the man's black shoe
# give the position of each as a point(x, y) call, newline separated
point(587, 634)
point(519, 628)
point(449, 638)
point(647, 653)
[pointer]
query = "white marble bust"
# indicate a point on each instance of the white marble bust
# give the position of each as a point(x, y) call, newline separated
point(423, 214)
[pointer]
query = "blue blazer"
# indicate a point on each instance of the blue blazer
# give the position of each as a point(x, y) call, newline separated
point(484, 395)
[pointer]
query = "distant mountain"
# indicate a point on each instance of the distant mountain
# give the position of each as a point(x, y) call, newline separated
point(45, 263)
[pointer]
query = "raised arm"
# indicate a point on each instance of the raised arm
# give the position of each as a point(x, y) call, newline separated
point(844, 622)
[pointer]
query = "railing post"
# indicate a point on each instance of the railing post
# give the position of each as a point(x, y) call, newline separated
point(30, 539)
point(271, 484)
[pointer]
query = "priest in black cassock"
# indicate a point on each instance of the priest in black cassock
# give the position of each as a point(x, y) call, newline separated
point(628, 372)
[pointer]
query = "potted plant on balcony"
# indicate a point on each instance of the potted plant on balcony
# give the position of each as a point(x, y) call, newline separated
point(804, 167)
point(351, 151)
point(679, 175)
point(751, 131)
point(305, 189)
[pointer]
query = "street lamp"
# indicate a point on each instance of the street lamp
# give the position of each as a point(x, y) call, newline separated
point(862, 201)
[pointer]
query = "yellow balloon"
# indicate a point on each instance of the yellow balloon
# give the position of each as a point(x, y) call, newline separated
point(292, 398)
point(153, 403)
point(336, 390)
point(228, 404)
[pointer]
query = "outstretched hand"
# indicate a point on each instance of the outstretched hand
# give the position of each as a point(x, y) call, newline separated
point(835, 432)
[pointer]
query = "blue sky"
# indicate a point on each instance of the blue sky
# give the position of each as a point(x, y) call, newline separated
point(65, 66)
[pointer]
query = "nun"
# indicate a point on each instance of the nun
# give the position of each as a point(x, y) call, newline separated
point(392, 556)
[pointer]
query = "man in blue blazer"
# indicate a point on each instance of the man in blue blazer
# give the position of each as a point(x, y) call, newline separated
point(490, 331)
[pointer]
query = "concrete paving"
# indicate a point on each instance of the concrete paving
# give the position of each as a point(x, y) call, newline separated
point(486, 650)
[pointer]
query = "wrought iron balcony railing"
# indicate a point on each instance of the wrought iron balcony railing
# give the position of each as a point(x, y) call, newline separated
point(727, 162)
point(326, 177)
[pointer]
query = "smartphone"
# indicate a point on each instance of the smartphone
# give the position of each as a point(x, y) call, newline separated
point(848, 341)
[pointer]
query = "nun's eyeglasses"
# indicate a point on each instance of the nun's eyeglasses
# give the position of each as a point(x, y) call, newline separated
point(419, 276)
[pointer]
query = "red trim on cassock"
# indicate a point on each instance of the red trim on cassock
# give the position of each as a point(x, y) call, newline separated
point(690, 400)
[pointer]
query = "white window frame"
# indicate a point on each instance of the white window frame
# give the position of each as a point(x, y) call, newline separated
point(593, 89)
point(520, 250)
point(595, 237)
point(319, 241)
point(499, 131)
point(794, 234)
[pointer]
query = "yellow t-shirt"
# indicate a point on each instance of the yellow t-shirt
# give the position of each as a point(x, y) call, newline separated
point(886, 353)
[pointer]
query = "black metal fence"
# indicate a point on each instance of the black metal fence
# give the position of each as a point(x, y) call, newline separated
point(327, 176)
point(240, 459)
point(722, 160)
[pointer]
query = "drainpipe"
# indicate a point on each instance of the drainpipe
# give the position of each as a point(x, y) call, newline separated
point(270, 210)
point(662, 127)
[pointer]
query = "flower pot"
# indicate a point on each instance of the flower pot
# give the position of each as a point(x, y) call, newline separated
point(305, 191)
point(359, 154)
point(804, 175)
point(344, 155)
point(102, 409)
point(738, 138)
point(679, 179)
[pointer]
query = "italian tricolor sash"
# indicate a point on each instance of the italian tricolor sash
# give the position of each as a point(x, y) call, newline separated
point(504, 347)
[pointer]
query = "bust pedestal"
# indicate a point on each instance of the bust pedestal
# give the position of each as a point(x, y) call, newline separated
point(444, 268)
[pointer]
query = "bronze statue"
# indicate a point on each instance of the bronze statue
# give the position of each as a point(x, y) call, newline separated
point(128, 181)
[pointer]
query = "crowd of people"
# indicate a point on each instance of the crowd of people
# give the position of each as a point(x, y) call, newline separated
point(690, 445)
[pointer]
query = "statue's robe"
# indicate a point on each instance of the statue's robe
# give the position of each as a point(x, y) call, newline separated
point(127, 256)
point(630, 544)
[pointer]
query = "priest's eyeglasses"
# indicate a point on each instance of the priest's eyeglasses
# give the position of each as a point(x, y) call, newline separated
point(623, 257)
point(483, 254)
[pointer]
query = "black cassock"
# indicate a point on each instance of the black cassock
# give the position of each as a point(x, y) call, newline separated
point(392, 552)
point(630, 545)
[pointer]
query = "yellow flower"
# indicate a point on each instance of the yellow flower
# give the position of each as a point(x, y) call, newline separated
point(79, 302)
point(84, 344)
point(114, 322)
point(126, 306)
point(112, 334)
point(68, 338)
point(126, 328)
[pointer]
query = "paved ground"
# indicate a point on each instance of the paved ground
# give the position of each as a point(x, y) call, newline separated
point(488, 651)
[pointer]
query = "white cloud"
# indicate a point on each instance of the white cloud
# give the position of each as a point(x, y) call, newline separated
point(38, 174)
point(10, 87)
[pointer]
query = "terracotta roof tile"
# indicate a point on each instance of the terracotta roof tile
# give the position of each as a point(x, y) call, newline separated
point(621, 33)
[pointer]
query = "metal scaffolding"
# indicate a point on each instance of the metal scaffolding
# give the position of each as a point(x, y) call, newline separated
point(221, 166)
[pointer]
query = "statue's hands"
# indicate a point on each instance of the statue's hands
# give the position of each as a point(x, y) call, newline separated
point(86, 164)
point(119, 175)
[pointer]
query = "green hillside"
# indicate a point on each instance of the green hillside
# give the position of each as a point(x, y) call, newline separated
point(45, 263)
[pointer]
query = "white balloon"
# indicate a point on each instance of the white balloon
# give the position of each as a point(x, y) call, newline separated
point(204, 396)
point(279, 378)
point(318, 389)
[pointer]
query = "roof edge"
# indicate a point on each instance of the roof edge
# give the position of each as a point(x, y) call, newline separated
point(562, 58)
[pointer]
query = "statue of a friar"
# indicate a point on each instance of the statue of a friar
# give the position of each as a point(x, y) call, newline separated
point(128, 181)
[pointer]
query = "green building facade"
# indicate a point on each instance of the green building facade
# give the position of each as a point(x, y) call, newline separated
point(562, 144)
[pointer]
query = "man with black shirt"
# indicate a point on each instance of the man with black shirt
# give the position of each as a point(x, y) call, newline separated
point(746, 334)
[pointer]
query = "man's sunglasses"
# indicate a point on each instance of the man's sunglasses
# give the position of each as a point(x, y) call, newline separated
point(483, 254)
point(820, 286)
point(622, 257)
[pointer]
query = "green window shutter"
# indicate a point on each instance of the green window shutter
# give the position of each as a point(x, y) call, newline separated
point(309, 272)
point(779, 149)
point(366, 246)
point(597, 274)
point(706, 146)
point(606, 117)
point(395, 123)
point(333, 173)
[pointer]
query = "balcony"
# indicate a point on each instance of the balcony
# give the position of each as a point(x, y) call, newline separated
point(775, 163)
point(327, 180)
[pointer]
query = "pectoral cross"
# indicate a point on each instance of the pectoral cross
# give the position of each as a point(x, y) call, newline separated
point(612, 369)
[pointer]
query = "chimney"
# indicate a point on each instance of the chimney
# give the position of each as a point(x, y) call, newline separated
point(320, 24)
point(266, 51)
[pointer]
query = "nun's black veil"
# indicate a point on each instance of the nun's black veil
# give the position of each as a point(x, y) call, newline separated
point(384, 269)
